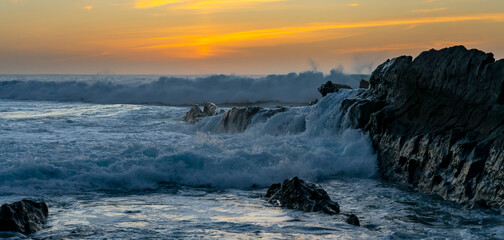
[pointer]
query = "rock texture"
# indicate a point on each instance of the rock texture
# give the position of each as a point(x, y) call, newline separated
point(195, 114)
point(437, 122)
point(363, 84)
point(297, 194)
point(353, 220)
point(330, 87)
point(24, 216)
point(238, 118)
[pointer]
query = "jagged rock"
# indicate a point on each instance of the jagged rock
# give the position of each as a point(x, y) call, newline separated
point(195, 114)
point(363, 84)
point(330, 87)
point(313, 102)
point(353, 220)
point(24, 216)
point(437, 122)
point(297, 194)
point(237, 119)
point(210, 109)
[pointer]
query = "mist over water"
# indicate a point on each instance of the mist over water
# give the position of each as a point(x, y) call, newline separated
point(81, 147)
point(220, 89)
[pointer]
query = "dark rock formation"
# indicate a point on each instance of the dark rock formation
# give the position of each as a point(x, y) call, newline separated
point(24, 216)
point(353, 220)
point(313, 102)
point(330, 87)
point(238, 118)
point(363, 84)
point(195, 114)
point(437, 122)
point(297, 194)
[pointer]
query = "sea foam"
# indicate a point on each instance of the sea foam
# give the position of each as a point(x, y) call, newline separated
point(171, 90)
point(76, 147)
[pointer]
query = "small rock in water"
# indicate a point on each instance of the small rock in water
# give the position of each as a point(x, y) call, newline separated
point(313, 102)
point(195, 114)
point(24, 216)
point(330, 87)
point(353, 220)
point(297, 194)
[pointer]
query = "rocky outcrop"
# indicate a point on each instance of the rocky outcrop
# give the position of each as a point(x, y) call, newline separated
point(313, 102)
point(238, 118)
point(437, 123)
point(195, 114)
point(297, 194)
point(330, 87)
point(363, 84)
point(24, 216)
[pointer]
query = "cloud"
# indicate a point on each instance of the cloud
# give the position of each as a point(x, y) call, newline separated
point(211, 39)
point(200, 4)
point(154, 3)
point(403, 46)
point(89, 7)
point(428, 10)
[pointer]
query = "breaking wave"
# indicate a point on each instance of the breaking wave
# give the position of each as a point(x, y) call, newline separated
point(220, 89)
point(75, 147)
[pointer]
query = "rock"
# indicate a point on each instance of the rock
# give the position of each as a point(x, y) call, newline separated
point(353, 220)
point(237, 119)
point(195, 114)
point(297, 194)
point(313, 102)
point(210, 109)
point(363, 84)
point(24, 216)
point(330, 87)
point(437, 123)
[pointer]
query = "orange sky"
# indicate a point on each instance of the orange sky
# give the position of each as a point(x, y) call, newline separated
point(235, 36)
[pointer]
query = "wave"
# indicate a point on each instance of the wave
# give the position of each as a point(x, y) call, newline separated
point(138, 147)
point(220, 89)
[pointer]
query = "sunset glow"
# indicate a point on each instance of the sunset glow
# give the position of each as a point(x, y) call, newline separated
point(235, 36)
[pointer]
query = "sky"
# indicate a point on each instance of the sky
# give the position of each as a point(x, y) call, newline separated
point(253, 37)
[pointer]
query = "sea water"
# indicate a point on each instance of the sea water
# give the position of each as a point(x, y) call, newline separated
point(111, 170)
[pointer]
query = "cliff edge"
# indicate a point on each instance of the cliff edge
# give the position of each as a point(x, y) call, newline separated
point(437, 122)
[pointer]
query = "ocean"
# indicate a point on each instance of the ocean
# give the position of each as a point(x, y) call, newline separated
point(113, 160)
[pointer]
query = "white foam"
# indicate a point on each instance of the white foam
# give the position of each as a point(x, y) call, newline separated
point(290, 88)
point(135, 147)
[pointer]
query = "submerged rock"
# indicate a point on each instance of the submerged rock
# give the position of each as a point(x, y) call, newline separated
point(195, 114)
point(437, 123)
point(306, 196)
point(330, 87)
point(24, 216)
point(353, 220)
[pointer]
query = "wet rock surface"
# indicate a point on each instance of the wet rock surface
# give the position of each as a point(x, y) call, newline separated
point(437, 123)
point(353, 220)
point(238, 118)
point(24, 216)
point(196, 114)
point(330, 87)
point(363, 84)
point(302, 195)
point(313, 102)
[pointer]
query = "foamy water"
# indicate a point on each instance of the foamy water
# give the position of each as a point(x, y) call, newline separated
point(137, 171)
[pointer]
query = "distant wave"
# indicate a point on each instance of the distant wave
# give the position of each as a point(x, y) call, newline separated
point(289, 88)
